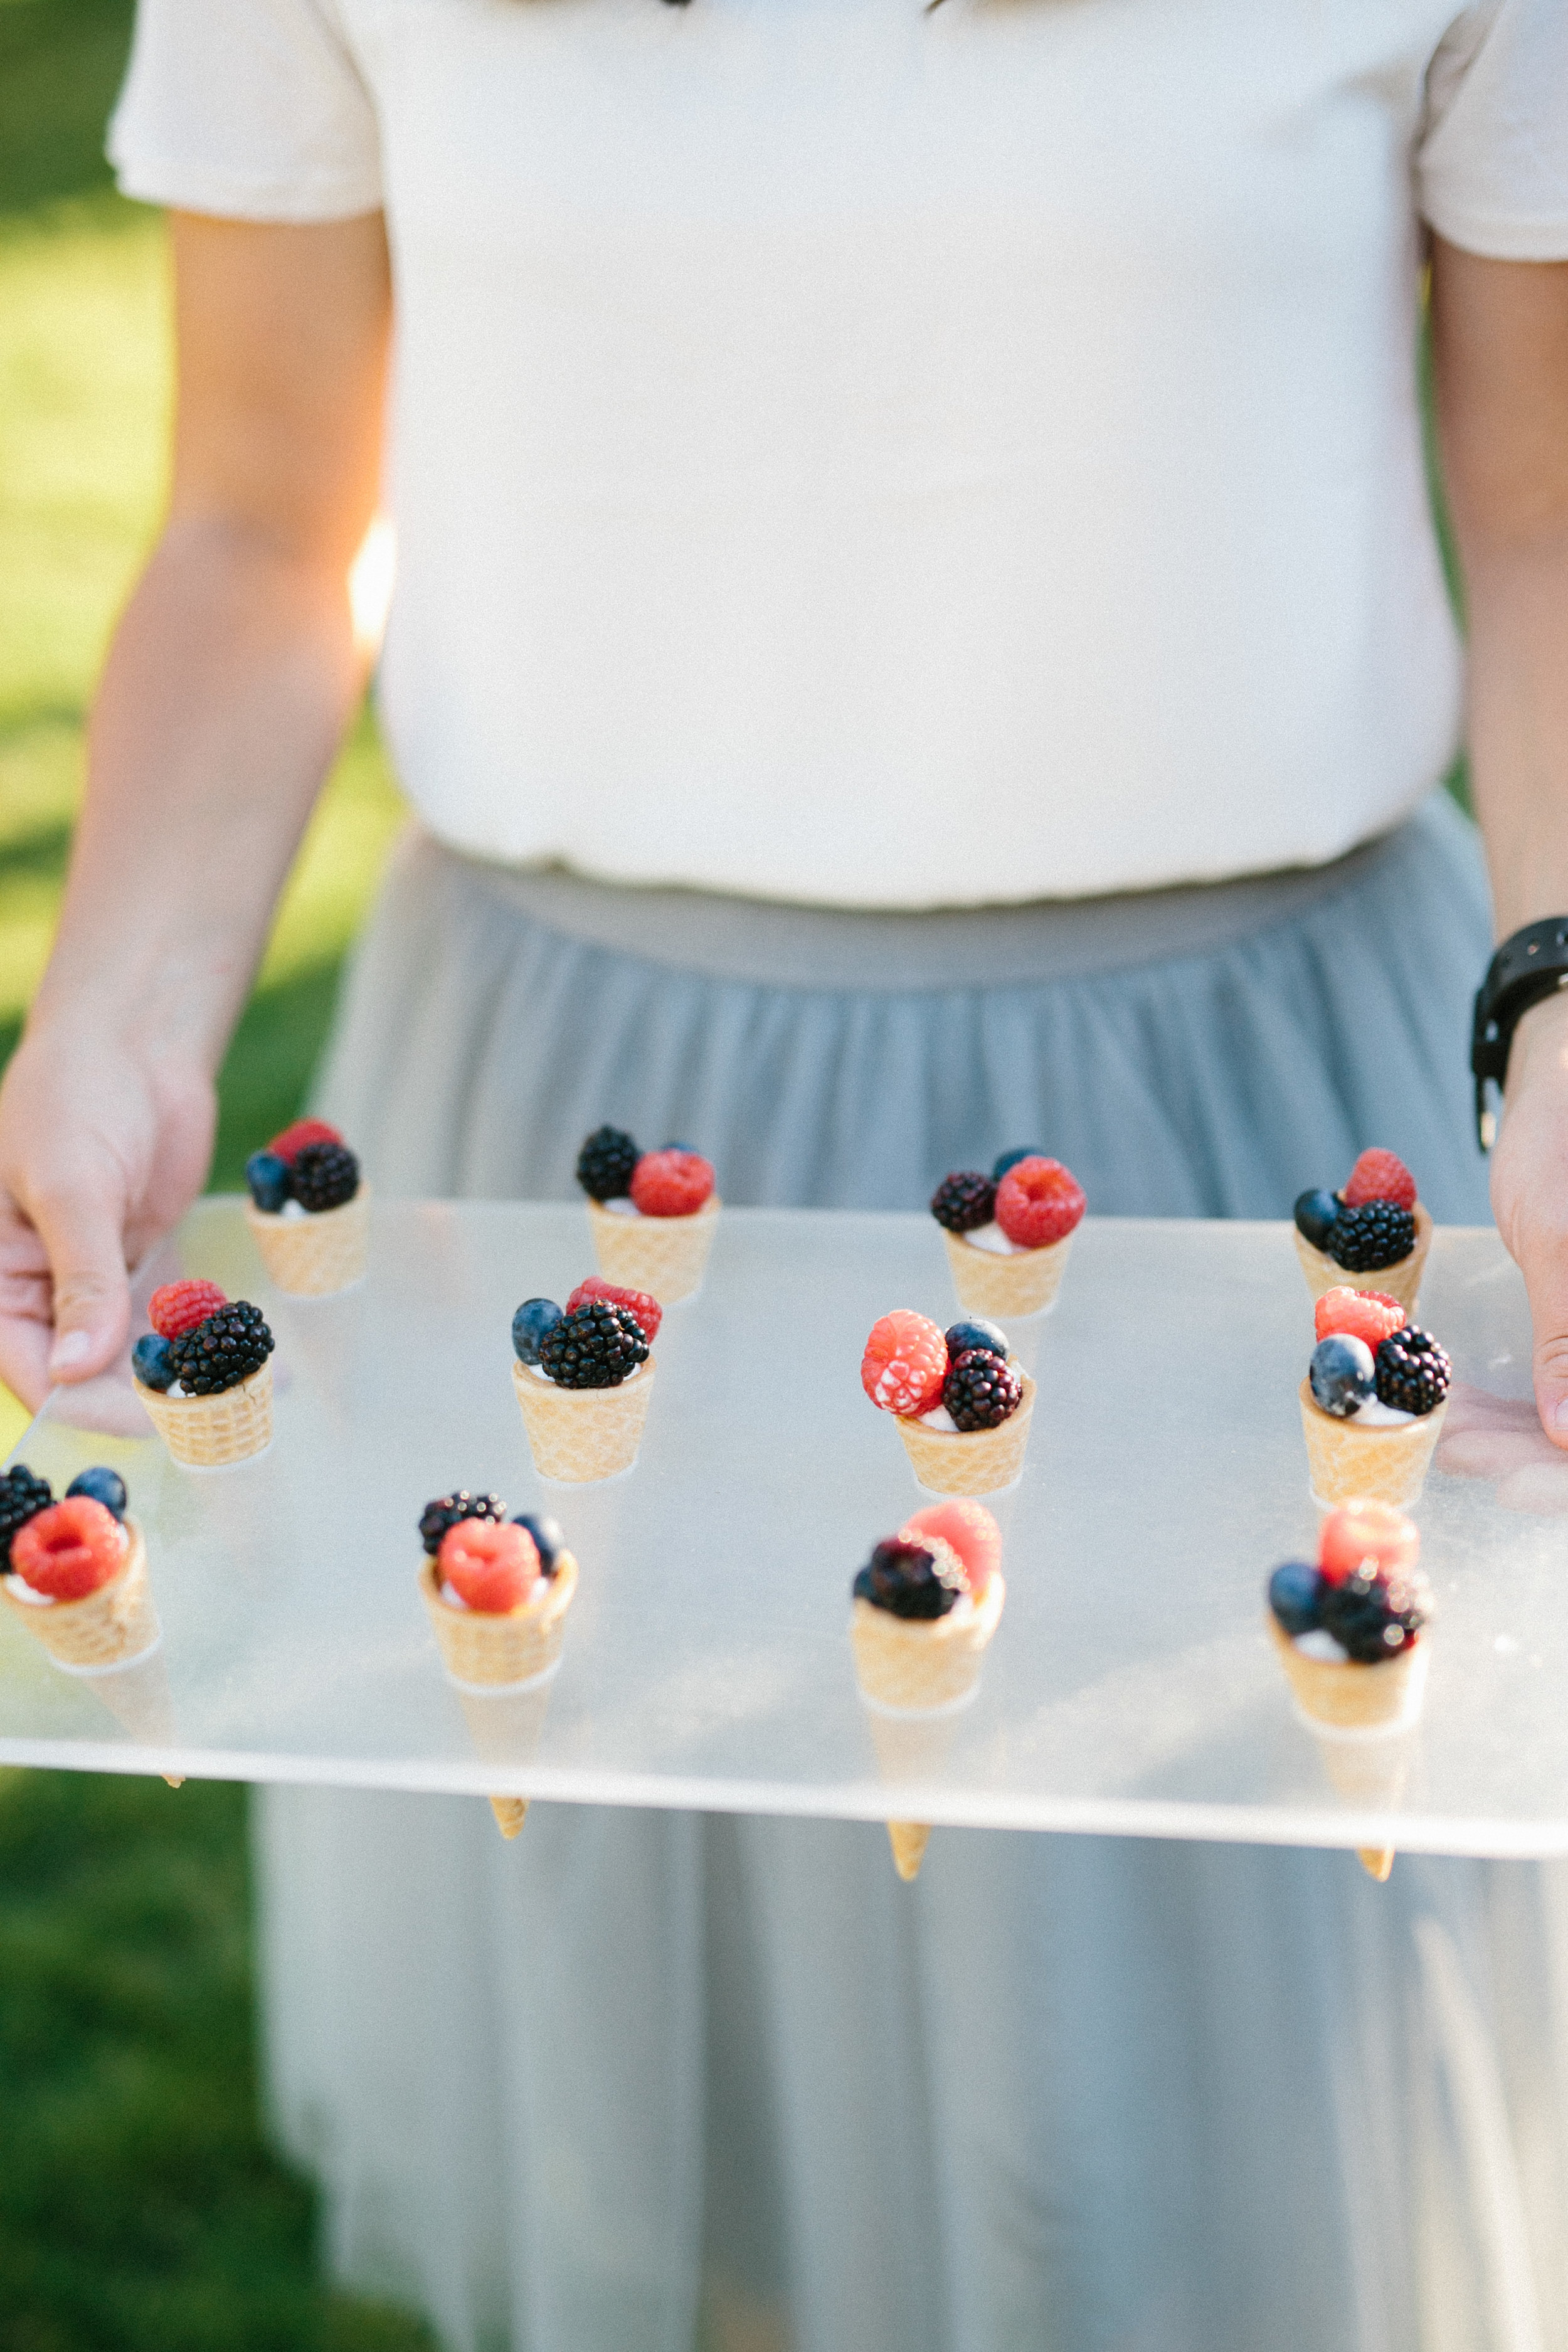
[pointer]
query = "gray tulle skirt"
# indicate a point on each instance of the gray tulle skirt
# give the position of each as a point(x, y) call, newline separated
point(659, 2081)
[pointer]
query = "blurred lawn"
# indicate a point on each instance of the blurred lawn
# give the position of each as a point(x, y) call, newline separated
point(139, 2211)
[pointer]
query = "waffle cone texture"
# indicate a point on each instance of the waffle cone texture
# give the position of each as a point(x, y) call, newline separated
point(970, 1461)
point(1339, 1696)
point(1017, 1286)
point(1402, 1281)
point(666, 1256)
point(1386, 1466)
point(580, 1435)
point(106, 1629)
point(314, 1256)
point(486, 1652)
point(207, 1432)
point(915, 1665)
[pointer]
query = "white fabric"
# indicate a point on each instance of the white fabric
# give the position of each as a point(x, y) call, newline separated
point(854, 454)
point(885, 457)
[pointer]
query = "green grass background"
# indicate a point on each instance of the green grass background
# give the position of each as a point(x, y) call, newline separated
point(140, 2209)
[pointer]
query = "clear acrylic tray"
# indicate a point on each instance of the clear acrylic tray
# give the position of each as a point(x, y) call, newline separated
point(1130, 1689)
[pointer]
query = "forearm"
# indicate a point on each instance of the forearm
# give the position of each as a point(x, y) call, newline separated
point(1517, 596)
point(229, 684)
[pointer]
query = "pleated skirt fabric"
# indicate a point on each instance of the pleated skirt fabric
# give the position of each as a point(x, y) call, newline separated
point(648, 2082)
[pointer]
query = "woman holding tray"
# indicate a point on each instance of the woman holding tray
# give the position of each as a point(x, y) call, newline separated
point(918, 629)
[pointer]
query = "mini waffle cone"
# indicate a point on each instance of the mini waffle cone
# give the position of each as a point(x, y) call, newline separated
point(314, 1256)
point(500, 1652)
point(577, 1434)
point(110, 1627)
point(1402, 1281)
point(205, 1433)
point(1358, 1714)
point(1387, 1466)
point(1016, 1287)
point(970, 1461)
point(497, 1654)
point(666, 1256)
point(907, 1669)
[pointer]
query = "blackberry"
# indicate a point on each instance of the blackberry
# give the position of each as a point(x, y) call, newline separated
point(1413, 1371)
point(22, 1497)
point(981, 1390)
point(908, 1581)
point(605, 1162)
point(1378, 1233)
point(1374, 1617)
point(595, 1347)
point(221, 1351)
point(449, 1509)
point(324, 1176)
point(962, 1202)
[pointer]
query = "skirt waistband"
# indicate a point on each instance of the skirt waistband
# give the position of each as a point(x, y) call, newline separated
point(769, 943)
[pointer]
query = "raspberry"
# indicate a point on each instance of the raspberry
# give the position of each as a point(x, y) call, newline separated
point(647, 1309)
point(1379, 1176)
point(1361, 1533)
point(965, 1200)
point(68, 1551)
point(1038, 1201)
point(179, 1307)
point(969, 1530)
point(672, 1183)
point(905, 1363)
point(490, 1567)
point(294, 1138)
point(1366, 1315)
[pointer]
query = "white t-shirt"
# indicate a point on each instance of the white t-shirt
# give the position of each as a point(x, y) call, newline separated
point(849, 454)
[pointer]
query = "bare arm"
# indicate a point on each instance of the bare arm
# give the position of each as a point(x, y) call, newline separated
point(230, 680)
point(1500, 342)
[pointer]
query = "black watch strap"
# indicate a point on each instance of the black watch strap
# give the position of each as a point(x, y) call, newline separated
point(1529, 966)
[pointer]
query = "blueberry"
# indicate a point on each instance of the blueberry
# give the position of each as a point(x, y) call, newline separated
point(1011, 1159)
point(1295, 1595)
point(975, 1332)
point(549, 1536)
point(679, 1147)
point(533, 1319)
point(1343, 1375)
point(152, 1362)
point(269, 1179)
point(1315, 1215)
point(105, 1487)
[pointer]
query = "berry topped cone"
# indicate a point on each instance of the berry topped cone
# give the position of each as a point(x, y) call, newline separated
point(583, 1375)
point(1348, 1633)
point(76, 1570)
point(308, 1210)
point(1372, 1401)
point(497, 1591)
point(1376, 1227)
point(1008, 1234)
point(924, 1608)
point(203, 1375)
point(652, 1214)
point(962, 1402)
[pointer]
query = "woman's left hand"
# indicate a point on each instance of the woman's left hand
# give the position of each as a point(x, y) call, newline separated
point(1530, 1196)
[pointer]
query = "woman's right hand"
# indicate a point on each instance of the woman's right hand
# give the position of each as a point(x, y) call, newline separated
point(103, 1148)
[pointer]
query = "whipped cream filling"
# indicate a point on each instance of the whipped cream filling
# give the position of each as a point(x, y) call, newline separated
point(1375, 1414)
point(1320, 1644)
point(623, 1205)
point(20, 1590)
point(293, 1210)
point(939, 1418)
point(991, 1239)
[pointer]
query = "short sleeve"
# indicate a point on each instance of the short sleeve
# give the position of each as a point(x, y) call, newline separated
point(1491, 162)
point(251, 109)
